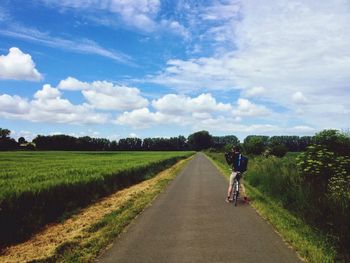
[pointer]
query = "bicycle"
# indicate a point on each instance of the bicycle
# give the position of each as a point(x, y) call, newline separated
point(235, 189)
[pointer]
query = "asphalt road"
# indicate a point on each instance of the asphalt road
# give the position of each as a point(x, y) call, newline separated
point(191, 222)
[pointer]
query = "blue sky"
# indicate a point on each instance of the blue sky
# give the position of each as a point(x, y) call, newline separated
point(151, 68)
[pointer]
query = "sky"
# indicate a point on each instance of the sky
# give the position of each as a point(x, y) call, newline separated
point(163, 68)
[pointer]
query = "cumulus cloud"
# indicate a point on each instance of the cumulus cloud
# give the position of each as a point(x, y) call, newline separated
point(193, 111)
point(141, 118)
point(180, 104)
point(48, 106)
point(247, 108)
point(13, 105)
point(105, 95)
point(47, 93)
point(71, 83)
point(18, 66)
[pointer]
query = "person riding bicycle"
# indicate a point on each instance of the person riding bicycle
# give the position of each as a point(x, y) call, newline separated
point(238, 164)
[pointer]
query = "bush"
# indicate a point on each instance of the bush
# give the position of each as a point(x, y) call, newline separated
point(325, 168)
point(278, 150)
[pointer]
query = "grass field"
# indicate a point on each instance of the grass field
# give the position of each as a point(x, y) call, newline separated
point(39, 187)
point(35, 171)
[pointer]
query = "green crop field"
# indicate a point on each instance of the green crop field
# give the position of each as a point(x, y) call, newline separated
point(35, 171)
point(38, 187)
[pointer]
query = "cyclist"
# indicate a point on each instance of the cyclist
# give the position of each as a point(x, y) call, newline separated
point(239, 165)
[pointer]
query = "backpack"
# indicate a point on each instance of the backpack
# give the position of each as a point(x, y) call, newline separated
point(243, 164)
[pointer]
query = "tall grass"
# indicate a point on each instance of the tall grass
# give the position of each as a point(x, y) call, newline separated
point(279, 178)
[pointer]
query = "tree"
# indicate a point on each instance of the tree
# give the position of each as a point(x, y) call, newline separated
point(21, 140)
point(334, 141)
point(7, 143)
point(4, 133)
point(225, 142)
point(255, 144)
point(200, 140)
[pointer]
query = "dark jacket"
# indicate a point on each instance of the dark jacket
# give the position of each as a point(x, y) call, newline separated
point(238, 162)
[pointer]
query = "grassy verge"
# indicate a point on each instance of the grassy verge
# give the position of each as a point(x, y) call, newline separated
point(82, 237)
point(310, 244)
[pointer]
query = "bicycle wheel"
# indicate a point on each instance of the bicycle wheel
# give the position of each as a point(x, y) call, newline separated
point(235, 193)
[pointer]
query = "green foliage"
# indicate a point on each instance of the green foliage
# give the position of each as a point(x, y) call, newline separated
point(200, 140)
point(255, 144)
point(339, 184)
point(7, 143)
point(278, 177)
point(4, 133)
point(325, 168)
point(22, 140)
point(334, 141)
point(277, 149)
point(224, 143)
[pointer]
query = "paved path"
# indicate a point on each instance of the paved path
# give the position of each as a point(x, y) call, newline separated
point(190, 222)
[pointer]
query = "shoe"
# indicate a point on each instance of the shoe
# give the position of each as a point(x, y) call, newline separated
point(246, 200)
point(227, 200)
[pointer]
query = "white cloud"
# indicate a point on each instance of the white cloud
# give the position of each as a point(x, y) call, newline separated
point(48, 106)
point(180, 104)
point(141, 118)
point(175, 27)
point(254, 91)
point(221, 11)
point(13, 105)
point(71, 83)
point(284, 46)
point(200, 111)
point(84, 46)
point(249, 109)
point(133, 135)
point(138, 13)
point(144, 15)
point(18, 66)
point(104, 95)
point(230, 126)
point(197, 74)
point(47, 93)
point(299, 98)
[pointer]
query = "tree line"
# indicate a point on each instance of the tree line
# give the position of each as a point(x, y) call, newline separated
point(201, 140)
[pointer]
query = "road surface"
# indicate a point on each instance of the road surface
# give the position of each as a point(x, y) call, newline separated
point(191, 222)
